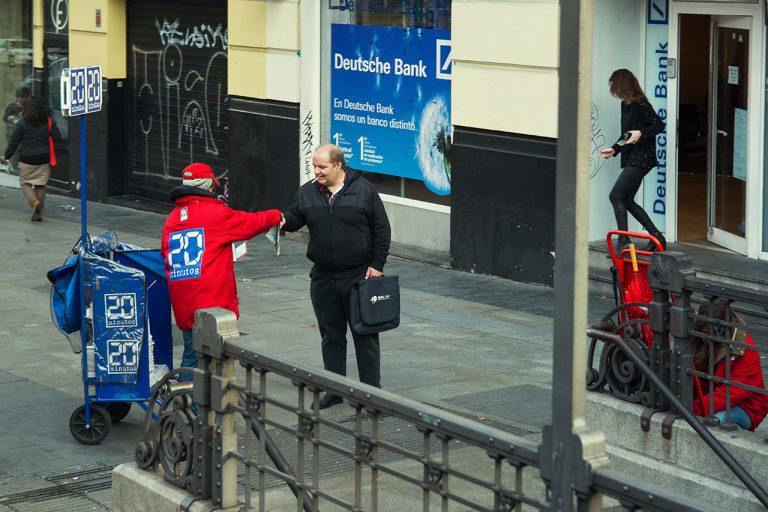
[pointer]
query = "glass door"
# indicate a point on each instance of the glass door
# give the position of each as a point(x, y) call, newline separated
point(728, 132)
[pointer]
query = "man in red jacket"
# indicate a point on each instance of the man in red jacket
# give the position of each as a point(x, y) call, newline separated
point(197, 248)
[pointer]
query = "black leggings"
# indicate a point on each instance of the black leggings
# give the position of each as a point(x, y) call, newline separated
point(622, 198)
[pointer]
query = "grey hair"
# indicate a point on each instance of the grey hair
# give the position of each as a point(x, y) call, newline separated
point(203, 183)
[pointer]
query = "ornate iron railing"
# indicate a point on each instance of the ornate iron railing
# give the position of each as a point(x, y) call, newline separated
point(672, 353)
point(676, 380)
point(390, 452)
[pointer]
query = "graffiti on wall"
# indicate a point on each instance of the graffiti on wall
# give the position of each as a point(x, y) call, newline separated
point(205, 35)
point(307, 141)
point(180, 104)
point(597, 143)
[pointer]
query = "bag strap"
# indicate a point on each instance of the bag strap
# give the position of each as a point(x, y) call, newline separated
point(51, 146)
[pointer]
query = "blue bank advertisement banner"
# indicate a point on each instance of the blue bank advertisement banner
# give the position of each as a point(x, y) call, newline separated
point(390, 101)
point(656, 89)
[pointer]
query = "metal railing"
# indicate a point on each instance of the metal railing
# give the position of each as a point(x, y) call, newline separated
point(251, 441)
point(678, 350)
point(676, 292)
point(675, 372)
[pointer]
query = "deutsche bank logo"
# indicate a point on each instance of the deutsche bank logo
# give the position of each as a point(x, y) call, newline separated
point(123, 356)
point(120, 309)
point(185, 255)
point(444, 65)
point(658, 12)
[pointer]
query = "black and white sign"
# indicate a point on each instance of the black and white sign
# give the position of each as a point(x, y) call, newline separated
point(123, 356)
point(80, 90)
point(120, 309)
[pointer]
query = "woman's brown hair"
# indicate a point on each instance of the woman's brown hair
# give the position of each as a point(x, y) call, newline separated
point(35, 111)
point(624, 85)
point(716, 309)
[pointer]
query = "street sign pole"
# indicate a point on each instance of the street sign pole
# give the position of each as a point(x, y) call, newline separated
point(80, 95)
point(83, 203)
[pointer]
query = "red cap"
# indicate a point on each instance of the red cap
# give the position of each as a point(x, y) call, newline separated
point(198, 171)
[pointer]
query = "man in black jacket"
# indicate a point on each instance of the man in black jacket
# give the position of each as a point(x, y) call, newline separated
point(349, 239)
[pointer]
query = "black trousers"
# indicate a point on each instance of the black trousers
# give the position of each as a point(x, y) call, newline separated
point(622, 198)
point(330, 300)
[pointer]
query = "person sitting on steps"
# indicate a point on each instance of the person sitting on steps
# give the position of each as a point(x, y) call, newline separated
point(748, 408)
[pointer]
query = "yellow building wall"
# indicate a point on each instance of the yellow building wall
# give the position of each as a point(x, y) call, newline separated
point(37, 33)
point(91, 45)
point(263, 49)
point(505, 65)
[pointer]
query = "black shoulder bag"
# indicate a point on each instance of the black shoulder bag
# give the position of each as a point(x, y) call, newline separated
point(375, 305)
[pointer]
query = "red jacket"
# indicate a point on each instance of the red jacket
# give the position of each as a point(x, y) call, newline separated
point(745, 370)
point(197, 248)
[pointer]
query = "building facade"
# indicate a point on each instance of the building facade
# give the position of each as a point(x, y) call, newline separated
point(450, 107)
point(15, 60)
point(702, 65)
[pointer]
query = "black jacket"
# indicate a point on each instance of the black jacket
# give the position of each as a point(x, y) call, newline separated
point(639, 116)
point(352, 234)
point(34, 142)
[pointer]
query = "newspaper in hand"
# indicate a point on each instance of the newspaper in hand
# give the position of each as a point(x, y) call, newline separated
point(239, 249)
point(273, 235)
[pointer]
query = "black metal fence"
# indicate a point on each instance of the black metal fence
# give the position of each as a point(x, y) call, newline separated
point(265, 444)
point(701, 355)
point(700, 331)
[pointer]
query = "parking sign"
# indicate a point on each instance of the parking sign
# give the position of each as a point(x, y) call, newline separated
point(81, 90)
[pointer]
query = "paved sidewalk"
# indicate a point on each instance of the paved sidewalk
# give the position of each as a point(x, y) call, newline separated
point(474, 344)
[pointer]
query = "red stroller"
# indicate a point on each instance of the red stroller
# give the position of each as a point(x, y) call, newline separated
point(631, 290)
point(629, 318)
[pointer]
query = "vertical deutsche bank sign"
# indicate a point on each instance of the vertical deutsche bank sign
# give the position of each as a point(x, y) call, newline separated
point(656, 89)
point(390, 101)
point(81, 90)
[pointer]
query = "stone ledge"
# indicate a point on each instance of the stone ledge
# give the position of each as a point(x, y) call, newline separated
point(683, 463)
point(137, 490)
point(711, 492)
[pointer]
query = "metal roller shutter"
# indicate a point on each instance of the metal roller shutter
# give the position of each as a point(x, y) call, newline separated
point(177, 104)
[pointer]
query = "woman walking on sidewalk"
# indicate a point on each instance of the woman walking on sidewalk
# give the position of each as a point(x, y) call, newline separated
point(31, 138)
point(639, 126)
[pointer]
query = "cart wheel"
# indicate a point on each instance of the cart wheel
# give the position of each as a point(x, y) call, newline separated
point(117, 410)
point(100, 424)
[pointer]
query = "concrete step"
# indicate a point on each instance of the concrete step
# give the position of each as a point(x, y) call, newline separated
point(683, 463)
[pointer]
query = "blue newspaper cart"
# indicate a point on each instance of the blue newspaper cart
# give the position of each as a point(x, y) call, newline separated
point(115, 295)
point(125, 325)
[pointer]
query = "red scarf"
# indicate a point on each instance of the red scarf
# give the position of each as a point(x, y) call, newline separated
point(50, 144)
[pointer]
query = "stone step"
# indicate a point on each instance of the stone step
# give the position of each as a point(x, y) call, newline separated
point(683, 463)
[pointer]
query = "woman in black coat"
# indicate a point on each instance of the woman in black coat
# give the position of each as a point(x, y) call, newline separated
point(30, 139)
point(639, 126)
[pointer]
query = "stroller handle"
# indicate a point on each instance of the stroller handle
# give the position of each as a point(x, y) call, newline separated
point(618, 232)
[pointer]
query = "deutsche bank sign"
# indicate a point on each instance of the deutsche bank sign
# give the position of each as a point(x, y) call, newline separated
point(658, 12)
point(81, 90)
